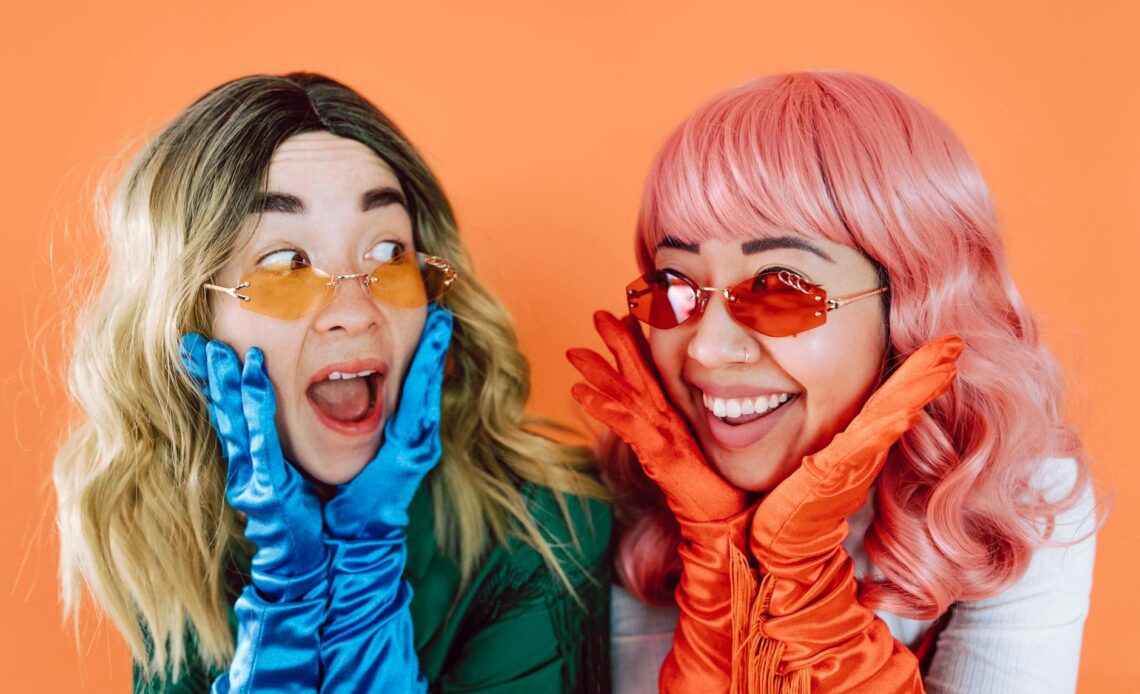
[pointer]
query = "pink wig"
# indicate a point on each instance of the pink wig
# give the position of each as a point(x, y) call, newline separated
point(958, 508)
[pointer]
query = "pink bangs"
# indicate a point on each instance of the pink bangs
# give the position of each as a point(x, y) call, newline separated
point(818, 155)
point(741, 167)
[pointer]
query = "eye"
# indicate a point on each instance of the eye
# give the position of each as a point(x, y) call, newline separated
point(668, 275)
point(283, 260)
point(385, 251)
point(779, 277)
point(780, 268)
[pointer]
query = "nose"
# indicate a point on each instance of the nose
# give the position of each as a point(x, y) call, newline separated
point(352, 307)
point(718, 339)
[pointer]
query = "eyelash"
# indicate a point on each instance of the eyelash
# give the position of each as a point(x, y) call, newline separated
point(779, 268)
point(400, 248)
point(769, 268)
point(282, 249)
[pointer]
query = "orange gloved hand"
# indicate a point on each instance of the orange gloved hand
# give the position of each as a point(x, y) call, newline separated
point(712, 514)
point(808, 631)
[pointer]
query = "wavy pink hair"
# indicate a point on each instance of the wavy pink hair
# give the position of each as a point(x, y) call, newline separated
point(850, 159)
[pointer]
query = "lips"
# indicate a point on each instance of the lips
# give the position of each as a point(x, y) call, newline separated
point(739, 416)
point(738, 408)
point(348, 397)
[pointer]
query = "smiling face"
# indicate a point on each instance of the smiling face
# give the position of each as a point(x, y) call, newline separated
point(333, 204)
point(801, 389)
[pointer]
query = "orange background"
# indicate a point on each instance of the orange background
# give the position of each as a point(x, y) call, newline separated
point(541, 120)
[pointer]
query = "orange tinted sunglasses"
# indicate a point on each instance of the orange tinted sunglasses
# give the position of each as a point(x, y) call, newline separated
point(284, 291)
point(776, 303)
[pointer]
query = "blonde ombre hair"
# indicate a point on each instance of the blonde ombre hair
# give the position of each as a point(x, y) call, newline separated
point(142, 516)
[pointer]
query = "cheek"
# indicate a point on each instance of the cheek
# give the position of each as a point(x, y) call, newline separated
point(279, 340)
point(668, 349)
point(406, 327)
point(838, 373)
point(231, 326)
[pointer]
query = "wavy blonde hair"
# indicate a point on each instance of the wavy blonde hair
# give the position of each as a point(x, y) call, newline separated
point(142, 516)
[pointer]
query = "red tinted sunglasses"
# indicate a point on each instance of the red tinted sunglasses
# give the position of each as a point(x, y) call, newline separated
point(775, 302)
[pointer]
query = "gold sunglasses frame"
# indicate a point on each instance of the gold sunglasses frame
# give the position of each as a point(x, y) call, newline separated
point(366, 278)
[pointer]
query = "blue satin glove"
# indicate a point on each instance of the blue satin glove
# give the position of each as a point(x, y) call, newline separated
point(280, 614)
point(367, 642)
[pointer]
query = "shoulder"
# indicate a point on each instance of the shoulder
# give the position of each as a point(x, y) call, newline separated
point(1059, 576)
point(1054, 479)
point(1032, 630)
point(640, 638)
point(1054, 589)
point(1057, 478)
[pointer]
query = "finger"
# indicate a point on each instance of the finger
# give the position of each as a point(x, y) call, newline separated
point(941, 350)
point(606, 410)
point(620, 341)
point(601, 375)
point(422, 388)
point(225, 402)
point(412, 445)
point(192, 351)
point(838, 477)
point(831, 484)
point(629, 426)
point(695, 490)
point(854, 456)
point(804, 517)
point(654, 388)
point(936, 355)
point(922, 377)
point(259, 405)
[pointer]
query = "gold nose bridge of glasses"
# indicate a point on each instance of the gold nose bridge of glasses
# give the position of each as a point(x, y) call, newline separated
point(336, 279)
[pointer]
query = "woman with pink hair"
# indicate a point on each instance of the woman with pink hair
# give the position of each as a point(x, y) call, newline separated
point(841, 462)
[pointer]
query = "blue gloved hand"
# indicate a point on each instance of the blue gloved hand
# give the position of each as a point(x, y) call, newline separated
point(280, 614)
point(367, 642)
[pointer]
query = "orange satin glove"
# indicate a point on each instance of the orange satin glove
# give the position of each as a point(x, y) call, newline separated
point(713, 515)
point(807, 629)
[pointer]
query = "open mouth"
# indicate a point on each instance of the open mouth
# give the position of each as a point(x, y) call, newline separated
point(739, 411)
point(349, 400)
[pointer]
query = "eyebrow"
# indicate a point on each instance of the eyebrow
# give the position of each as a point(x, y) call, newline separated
point(752, 247)
point(382, 197)
point(674, 242)
point(767, 244)
point(279, 202)
point(291, 204)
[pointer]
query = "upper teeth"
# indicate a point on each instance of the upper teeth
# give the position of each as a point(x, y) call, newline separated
point(339, 375)
point(735, 407)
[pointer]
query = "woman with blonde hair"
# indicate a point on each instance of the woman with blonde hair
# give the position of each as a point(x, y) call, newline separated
point(289, 339)
point(844, 465)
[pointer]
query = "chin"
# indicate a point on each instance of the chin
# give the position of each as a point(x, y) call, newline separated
point(344, 469)
point(336, 476)
point(745, 472)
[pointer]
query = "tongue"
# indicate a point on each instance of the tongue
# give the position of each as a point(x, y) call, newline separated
point(346, 400)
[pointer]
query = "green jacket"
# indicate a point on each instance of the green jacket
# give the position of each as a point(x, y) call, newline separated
point(514, 628)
